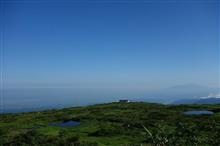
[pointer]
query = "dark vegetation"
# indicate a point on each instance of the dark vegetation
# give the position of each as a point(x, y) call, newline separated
point(115, 124)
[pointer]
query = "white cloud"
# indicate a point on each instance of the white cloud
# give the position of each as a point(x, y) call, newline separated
point(212, 95)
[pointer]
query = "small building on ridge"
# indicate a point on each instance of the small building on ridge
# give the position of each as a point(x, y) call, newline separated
point(124, 101)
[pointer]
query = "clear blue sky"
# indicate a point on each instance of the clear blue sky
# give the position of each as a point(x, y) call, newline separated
point(125, 44)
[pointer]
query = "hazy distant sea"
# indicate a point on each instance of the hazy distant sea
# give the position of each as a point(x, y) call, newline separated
point(34, 99)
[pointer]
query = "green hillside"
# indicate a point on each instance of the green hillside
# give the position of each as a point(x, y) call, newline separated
point(114, 124)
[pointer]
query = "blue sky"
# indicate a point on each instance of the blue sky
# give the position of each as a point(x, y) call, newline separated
point(123, 45)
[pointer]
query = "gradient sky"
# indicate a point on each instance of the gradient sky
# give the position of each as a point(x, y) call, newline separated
point(109, 44)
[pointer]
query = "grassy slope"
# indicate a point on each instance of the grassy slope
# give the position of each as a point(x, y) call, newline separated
point(120, 124)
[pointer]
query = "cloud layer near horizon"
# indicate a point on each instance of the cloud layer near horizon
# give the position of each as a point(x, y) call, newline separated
point(212, 95)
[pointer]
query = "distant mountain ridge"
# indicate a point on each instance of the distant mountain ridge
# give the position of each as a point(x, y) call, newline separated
point(211, 100)
point(186, 91)
point(185, 94)
point(192, 89)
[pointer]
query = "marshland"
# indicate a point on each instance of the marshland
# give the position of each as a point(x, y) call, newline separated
point(121, 124)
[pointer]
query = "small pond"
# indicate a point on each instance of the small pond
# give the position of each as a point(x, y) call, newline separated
point(199, 112)
point(65, 124)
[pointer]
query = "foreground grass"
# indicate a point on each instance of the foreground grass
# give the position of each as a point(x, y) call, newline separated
point(114, 124)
